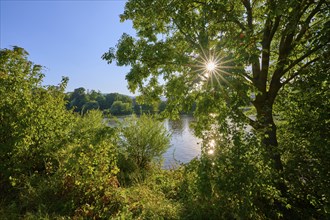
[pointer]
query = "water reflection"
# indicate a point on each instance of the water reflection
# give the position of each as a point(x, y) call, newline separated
point(178, 126)
point(211, 151)
point(184, 145)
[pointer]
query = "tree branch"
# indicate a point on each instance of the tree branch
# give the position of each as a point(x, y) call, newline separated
point(276, 84)
point(298, 72)
point(221, 9)
point(308, 53)
point(247, 77)
point(187, 36)
point(304, 27)
point(256, 63)
point(275, 26)
point(239, 24)
point(248, 8)
point(266, 40)
point(254, 124)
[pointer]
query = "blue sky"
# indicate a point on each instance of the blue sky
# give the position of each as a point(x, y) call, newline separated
point(68, 38)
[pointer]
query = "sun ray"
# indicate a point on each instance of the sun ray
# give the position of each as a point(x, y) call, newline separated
point(211, 69)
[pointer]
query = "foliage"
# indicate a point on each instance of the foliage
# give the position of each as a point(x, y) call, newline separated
point(120, 108)
point(60, 165)
point(306, 147)
point(258, 47)
point(268, 54)
point(117, 104)
point(82, 101)
point(143, 203)
point(34, 121)
point(91, 105)
point(232, 179)
point(44, 146)
point(143, 140)
point(156, 197)
point(140, 108)
point(87, 167)
point(77, 99)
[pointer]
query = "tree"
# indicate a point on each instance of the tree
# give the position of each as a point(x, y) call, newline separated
point(81, 101)
point(101, 101)
point(90, 105)
point(120, 108)
point(162, 106)
point(218, 53)
point(93, 95)
point(142, 108)
point(112, 97)
point(77, 99)
point(34, 123)
point(109, 99)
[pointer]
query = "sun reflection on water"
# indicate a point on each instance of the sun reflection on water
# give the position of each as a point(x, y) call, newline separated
point(211, 151)
point(211, 147)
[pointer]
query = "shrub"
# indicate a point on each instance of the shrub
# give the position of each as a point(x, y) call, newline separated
point(87, 170)
point(34, 123)
point(143, 140)
point(48, 152)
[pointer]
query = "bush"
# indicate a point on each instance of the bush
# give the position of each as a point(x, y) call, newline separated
point(231, 180)
point(52, 161)
point(143, 141)
point(87, 171)
point(34, 123)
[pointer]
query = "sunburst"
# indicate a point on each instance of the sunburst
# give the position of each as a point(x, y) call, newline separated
point(210, 68)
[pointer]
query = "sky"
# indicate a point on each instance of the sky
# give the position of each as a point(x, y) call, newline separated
point(68, 38)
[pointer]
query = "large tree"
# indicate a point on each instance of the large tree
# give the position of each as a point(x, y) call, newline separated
point(233, 52)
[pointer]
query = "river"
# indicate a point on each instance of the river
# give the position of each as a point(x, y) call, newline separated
point(184, 145)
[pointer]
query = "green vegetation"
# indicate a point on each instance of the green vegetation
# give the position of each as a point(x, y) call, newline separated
point(57, 163)
point(143, 142)
point(116, 104)
point(222, 56)
point(81, 101)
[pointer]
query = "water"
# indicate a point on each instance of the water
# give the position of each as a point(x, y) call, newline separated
point(184, 145)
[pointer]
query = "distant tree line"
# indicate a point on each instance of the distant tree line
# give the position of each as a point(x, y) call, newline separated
point(82, 100)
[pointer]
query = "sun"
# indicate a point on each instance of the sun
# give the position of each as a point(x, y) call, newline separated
point(209, 69)
point(210, 66)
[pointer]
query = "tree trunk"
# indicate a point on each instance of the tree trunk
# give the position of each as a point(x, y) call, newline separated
point(267, 127)
point(265, 118)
